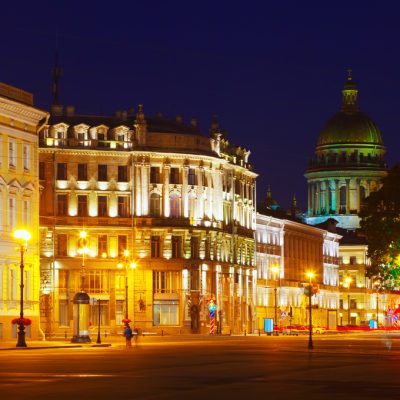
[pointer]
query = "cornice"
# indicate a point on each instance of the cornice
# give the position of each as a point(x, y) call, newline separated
point(21, 112)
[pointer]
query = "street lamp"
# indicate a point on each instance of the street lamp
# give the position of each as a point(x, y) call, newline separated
point(275, 271)
point(376, 283)
point(81, 299)
point(310, 276)
point(22, 237)
point(127, 264)
point(347, 281)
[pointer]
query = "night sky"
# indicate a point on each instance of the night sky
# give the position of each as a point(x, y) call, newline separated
point(272, 71)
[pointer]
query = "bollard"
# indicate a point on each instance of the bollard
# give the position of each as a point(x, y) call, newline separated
point(244, 333)
point(259, 332)
point(162, 333)
point(105, 333)
point(65, 334)
point(230, 332)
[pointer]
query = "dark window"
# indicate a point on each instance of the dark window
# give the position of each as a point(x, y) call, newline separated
point(341, 304)
point(123, 206)
point(100, 140)
point(122, 244)
point(155, 201)
point(353, 304)
point(176, 247)
point(62, 171)
point(122, 173)
point(155, 247)
point(102, 246)
point(82, 205)
point(41, 170)
point(192, 177)
point(194, 279)
point(62, 244)
point(155, 175)
point(102, 206)
point(353, 260)
point(62, 204)
point(194, 246)
point(82, 172)
point(175, 175)
point(102, 173)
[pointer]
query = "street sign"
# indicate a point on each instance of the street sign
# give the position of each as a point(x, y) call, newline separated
point(283, 314)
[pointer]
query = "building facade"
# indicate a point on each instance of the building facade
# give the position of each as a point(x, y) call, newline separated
point(154, 194)
point(19, 208)
point(286, 251)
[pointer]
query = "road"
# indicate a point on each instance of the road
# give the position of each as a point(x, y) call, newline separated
point(340, 367)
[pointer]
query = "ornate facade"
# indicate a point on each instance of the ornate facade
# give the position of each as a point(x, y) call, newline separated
point(19, 208)
point(181, 203)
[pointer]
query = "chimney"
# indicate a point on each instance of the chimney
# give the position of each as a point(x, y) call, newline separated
point(193, 123)
point(178, 119)
point(124, 115)
point(70, 111)
point(56, 110)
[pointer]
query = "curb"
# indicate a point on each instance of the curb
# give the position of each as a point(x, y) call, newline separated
point(56, 347)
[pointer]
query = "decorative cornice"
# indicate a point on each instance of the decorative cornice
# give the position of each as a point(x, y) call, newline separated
point(20, 111)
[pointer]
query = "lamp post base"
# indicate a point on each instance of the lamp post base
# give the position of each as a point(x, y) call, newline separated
point(21, 336)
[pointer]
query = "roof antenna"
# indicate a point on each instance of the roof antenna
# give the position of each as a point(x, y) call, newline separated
point(56, 73)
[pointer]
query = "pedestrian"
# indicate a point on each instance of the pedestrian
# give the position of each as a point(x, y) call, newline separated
point(128, 336)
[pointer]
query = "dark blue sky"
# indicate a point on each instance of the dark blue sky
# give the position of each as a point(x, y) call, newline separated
point(271, 71)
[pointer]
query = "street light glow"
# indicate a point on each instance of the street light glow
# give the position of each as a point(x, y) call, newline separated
point(310, 274)
point(22, 234)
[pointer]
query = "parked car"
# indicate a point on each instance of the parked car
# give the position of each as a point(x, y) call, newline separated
point(318, 330)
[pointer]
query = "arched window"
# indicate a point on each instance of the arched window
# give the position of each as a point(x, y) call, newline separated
point(362, 193)
point(155, 202)
point(343, 198)
point(174, 208)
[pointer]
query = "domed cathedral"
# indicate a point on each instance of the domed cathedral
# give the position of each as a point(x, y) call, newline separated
point(348, 164)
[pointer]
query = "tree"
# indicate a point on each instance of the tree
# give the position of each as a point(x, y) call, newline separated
point(380, 221)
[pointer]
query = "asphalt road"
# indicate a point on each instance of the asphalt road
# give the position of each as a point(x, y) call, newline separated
point(340, 367)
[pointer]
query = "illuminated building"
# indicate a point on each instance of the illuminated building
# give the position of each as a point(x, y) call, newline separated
point(19, 208)
point(180, 202)
point(348, 165)
point(293, 248)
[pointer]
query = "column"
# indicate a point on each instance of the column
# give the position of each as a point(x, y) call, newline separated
point(184, 192)
point(166, 172)
point(358, 202)
point(347, 196)
point(138, 188)
point(337, 196)
point(309, 203)
point(327, 202)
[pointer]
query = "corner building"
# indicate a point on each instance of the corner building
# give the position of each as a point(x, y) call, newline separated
point(181, 203)
point(19, 209)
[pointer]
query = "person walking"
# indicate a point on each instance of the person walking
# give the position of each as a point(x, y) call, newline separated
point(128, 336)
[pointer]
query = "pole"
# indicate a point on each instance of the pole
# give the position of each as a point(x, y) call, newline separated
point(126, 292)
point(348, 309)
point(310, 342)
point(21, 327)
point(98, 333)
point(377, 309)
point(276, 308)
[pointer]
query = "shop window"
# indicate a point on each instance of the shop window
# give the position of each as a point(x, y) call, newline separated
point(166, 312)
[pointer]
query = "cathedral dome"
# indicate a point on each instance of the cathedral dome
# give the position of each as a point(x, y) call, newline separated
point(350, 125)
point(350, 128)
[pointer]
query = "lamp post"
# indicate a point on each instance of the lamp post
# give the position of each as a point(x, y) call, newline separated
point(377, 303)
point(127, 264)
point(310, 275)
point(275, 271)
point(22, 236)
point(347, 281)
point(81, 299)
